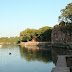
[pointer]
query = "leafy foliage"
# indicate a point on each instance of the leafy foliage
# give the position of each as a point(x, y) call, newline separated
point(66, 19)
point(42, 34)
point(66, 14)
point(11, 39)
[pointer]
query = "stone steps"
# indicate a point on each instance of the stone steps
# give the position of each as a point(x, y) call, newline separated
point(61, 69)
point(61, 62)
point(61, 65)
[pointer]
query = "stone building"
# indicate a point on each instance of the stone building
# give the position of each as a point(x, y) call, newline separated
point(59, 37)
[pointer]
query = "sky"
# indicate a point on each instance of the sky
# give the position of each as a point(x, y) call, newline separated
point(18, 15)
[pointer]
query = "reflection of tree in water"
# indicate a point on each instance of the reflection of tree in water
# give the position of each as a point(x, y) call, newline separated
point(69, 61)
point(36, 54)
point(59, 51)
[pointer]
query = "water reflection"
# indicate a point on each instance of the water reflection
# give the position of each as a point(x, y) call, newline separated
point(25, 59)
point(59, 51)
point(35, 53)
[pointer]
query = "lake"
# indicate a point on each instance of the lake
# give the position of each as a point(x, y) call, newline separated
point(15, 58)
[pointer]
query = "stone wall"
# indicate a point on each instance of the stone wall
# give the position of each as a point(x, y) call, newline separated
point(59, 37)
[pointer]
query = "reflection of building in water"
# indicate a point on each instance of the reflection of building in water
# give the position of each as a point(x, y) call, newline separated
point(69, 61)
point(33, 48)
point(59, 51)
point(62, 58)
point(35, 54)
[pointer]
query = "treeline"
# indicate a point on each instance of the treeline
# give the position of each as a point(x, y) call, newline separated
point(42, 34)
point(11, 39)
point(66, 19)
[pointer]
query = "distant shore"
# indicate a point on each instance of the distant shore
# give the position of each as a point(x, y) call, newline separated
point(2, 43)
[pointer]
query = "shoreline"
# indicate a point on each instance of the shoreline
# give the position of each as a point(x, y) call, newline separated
point(35, 43)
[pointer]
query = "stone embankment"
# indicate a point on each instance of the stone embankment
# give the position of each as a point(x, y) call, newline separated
point(35, 43)
point(62, 45)
point(61, 65)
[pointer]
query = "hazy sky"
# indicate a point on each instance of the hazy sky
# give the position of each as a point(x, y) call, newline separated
point(17, 15)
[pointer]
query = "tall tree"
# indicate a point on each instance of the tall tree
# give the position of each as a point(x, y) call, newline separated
point(66, 19)
point(66, 14)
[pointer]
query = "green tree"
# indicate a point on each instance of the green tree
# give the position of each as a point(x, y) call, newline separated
point(28, 34)
point(66, 19)
point(66, 14)
point(11, 39)
point(63, 27)
point(39, 34)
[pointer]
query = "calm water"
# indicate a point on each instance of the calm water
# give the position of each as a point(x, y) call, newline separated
point(25, 59)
